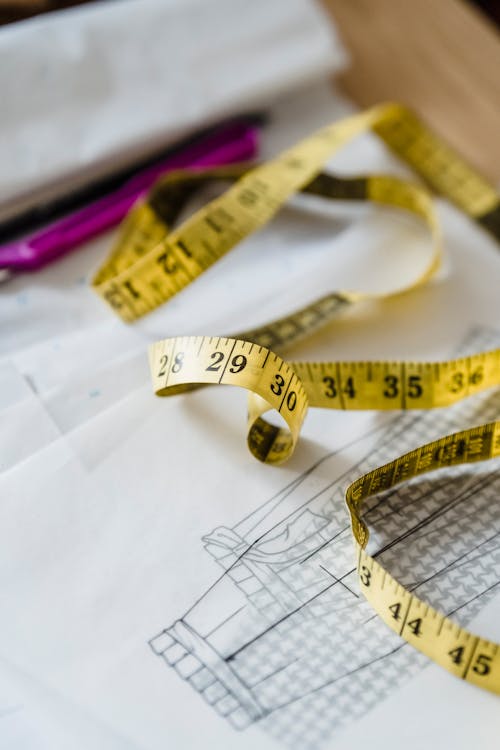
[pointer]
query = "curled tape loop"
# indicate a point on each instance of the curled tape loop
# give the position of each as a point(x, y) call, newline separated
point(150, 264)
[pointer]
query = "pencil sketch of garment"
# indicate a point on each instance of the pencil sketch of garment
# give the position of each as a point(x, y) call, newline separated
point(283, 637)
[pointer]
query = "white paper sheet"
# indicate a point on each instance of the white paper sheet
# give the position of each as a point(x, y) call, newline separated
point(32, 716)
point(122, 524)
point(110, 554)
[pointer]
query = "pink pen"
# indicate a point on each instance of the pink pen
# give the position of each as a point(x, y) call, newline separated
point(230, 143)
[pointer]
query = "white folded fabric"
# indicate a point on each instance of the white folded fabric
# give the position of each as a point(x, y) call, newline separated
point(85, 89)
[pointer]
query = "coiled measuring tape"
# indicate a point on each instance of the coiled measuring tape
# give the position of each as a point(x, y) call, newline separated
point(149, 265)
point(170, 195)
point(178, 364)
point(289, 388)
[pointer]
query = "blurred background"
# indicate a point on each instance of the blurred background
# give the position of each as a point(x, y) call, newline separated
point(15, 10)
point(438, 57)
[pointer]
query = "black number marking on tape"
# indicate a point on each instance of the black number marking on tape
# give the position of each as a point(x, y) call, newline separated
point(216, 364)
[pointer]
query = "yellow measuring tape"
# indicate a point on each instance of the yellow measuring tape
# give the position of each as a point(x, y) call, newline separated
point(150, 264)
point(179, 364)
point(474, 659)
point(171, 193)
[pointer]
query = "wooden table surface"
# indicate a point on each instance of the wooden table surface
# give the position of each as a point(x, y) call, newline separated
point(442, 57)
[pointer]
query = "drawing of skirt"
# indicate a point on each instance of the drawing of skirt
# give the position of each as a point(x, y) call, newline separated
point(283, 636)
